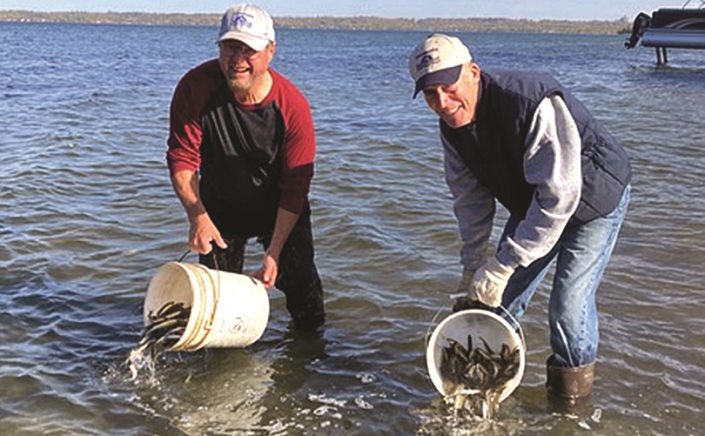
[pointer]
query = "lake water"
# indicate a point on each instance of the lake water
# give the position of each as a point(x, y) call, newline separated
point(87, 215)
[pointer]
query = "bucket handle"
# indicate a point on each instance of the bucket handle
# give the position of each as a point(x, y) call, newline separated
point(215, 261)
point(215, 264)
point(518, 327)
point(431, 325)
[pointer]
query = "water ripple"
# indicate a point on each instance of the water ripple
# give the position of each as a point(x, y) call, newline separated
point(87, 215)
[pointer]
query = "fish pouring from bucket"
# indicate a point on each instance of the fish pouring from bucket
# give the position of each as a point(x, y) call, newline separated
point(474, 378)
point(166, 327)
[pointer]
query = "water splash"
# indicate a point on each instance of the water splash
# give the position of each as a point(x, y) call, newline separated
point(165, 330)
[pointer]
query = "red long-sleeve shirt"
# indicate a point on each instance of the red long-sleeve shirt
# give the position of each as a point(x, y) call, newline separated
point(204, 89)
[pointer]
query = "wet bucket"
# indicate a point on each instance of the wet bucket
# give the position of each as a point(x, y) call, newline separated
point(227, 309)
point(479, 323)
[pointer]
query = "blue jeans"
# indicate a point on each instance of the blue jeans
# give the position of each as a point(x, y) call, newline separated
point(581, 254)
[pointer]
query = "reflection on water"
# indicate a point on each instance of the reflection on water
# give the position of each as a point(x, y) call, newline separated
point(87, 215)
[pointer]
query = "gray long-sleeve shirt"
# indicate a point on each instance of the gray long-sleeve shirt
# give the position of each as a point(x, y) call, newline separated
point(551, 162)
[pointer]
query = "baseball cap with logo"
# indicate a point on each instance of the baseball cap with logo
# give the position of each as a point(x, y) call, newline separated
point(249, 24)
point(438, 60)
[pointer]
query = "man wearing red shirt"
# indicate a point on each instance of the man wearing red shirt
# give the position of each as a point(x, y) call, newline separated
point(241, 153)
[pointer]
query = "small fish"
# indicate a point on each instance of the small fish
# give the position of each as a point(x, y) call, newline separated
point(474, 378)
point(167, 310)
point(165, 329)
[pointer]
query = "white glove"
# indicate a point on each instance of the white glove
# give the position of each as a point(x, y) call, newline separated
point(490, 281)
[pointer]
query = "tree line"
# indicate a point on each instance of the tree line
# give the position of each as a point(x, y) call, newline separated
point(622, 25)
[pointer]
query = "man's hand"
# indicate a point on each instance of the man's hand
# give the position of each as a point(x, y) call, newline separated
point(270, 262)
point(268, 273)
point(201, 233)
point(490, 281)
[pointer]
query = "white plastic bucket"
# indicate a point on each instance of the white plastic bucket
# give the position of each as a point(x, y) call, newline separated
point(479, 323)
point(227, 309)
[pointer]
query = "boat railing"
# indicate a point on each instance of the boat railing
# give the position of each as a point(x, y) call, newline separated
point(702, 4)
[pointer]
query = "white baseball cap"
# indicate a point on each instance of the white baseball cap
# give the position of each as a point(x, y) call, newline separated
point(249, 24)
point(438, 60)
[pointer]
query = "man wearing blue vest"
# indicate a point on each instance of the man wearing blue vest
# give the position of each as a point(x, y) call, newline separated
point(522, 139)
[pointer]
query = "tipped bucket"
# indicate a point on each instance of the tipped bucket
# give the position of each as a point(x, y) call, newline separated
point(478, 323)
point(227, 309)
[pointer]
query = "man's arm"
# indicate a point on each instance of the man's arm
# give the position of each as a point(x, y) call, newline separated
point(270, 264)
point(552, 163)
point(298, 155)
point(201, 229)
point(474, 208)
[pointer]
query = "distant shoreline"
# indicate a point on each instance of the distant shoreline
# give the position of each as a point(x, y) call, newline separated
point(333, 23)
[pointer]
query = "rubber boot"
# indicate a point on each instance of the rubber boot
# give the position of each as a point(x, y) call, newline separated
point(569, 387)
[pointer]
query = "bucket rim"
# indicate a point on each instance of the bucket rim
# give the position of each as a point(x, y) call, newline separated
point(517, 338)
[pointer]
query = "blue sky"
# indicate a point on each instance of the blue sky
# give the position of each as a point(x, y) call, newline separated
point(531, 9)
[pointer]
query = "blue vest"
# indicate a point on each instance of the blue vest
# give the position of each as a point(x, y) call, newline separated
point(493, 145)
